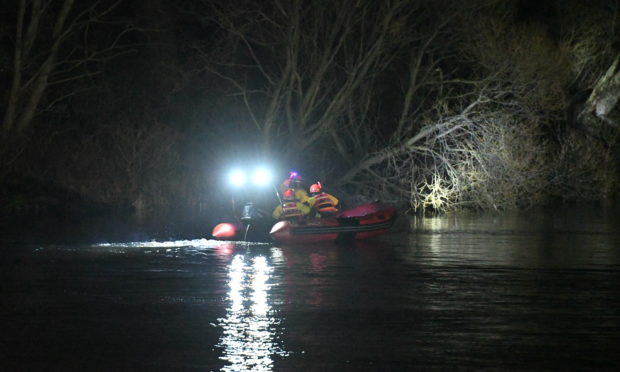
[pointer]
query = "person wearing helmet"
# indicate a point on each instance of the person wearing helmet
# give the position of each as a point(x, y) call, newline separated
point(291, 207)
point(285, 185)
point(322, 203)
point(294, 182)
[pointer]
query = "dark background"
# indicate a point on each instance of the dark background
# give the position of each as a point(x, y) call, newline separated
point(143, 106)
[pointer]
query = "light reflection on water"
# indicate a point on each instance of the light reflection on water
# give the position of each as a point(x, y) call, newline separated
point(577, 238)
point(161, 244)
point(249, 338)
point(535, 291)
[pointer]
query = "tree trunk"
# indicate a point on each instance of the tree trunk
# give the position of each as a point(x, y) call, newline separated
point(601, 108)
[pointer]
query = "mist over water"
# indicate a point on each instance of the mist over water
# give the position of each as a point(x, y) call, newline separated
point(535, 290)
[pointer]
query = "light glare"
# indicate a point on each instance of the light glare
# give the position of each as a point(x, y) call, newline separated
point(237, 178)
point(261, 177)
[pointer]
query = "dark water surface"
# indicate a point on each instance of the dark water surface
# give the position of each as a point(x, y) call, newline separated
point(524, 291)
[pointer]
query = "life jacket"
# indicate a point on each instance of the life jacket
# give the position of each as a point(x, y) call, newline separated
point(301, 195)
point(290, 210)
point(323, 203)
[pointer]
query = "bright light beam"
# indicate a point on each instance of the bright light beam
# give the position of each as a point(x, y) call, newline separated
point(237, 178)
point(261, 177)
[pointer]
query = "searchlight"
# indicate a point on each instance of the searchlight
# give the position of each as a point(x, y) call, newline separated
point(261, 177)
point(237, 178)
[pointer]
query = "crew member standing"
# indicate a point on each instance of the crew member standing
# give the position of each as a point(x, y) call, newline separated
point(294, 182)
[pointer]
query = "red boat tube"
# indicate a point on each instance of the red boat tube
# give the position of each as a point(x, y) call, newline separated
point(224, 231)
point(361, 222)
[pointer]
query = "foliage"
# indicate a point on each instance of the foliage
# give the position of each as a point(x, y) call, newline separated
point(430, 105)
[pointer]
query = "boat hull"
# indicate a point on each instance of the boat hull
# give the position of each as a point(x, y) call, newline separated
point(362, 222)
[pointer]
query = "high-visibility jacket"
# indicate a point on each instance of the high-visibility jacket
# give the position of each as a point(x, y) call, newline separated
point(301, 195)
point(291, 209)
point(324, 203)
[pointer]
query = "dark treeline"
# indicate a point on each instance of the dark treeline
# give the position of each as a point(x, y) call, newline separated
point(432, 105)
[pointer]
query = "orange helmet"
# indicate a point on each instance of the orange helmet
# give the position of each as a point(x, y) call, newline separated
point(315, 188)
point(289, 194)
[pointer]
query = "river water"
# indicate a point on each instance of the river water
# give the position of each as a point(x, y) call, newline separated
point(519, 291)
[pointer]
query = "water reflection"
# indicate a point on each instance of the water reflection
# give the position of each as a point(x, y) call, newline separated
point(534, 238)
point(249, 335)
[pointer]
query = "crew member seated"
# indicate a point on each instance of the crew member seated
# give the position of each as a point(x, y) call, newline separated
point(291, 208)
point(322, 203)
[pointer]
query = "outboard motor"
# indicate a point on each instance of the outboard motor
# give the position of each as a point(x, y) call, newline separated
point(250, 213)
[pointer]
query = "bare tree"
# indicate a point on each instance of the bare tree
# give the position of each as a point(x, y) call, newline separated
point(482, 142)
point(478, 121)
point(46, 52)
point(311, 68)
